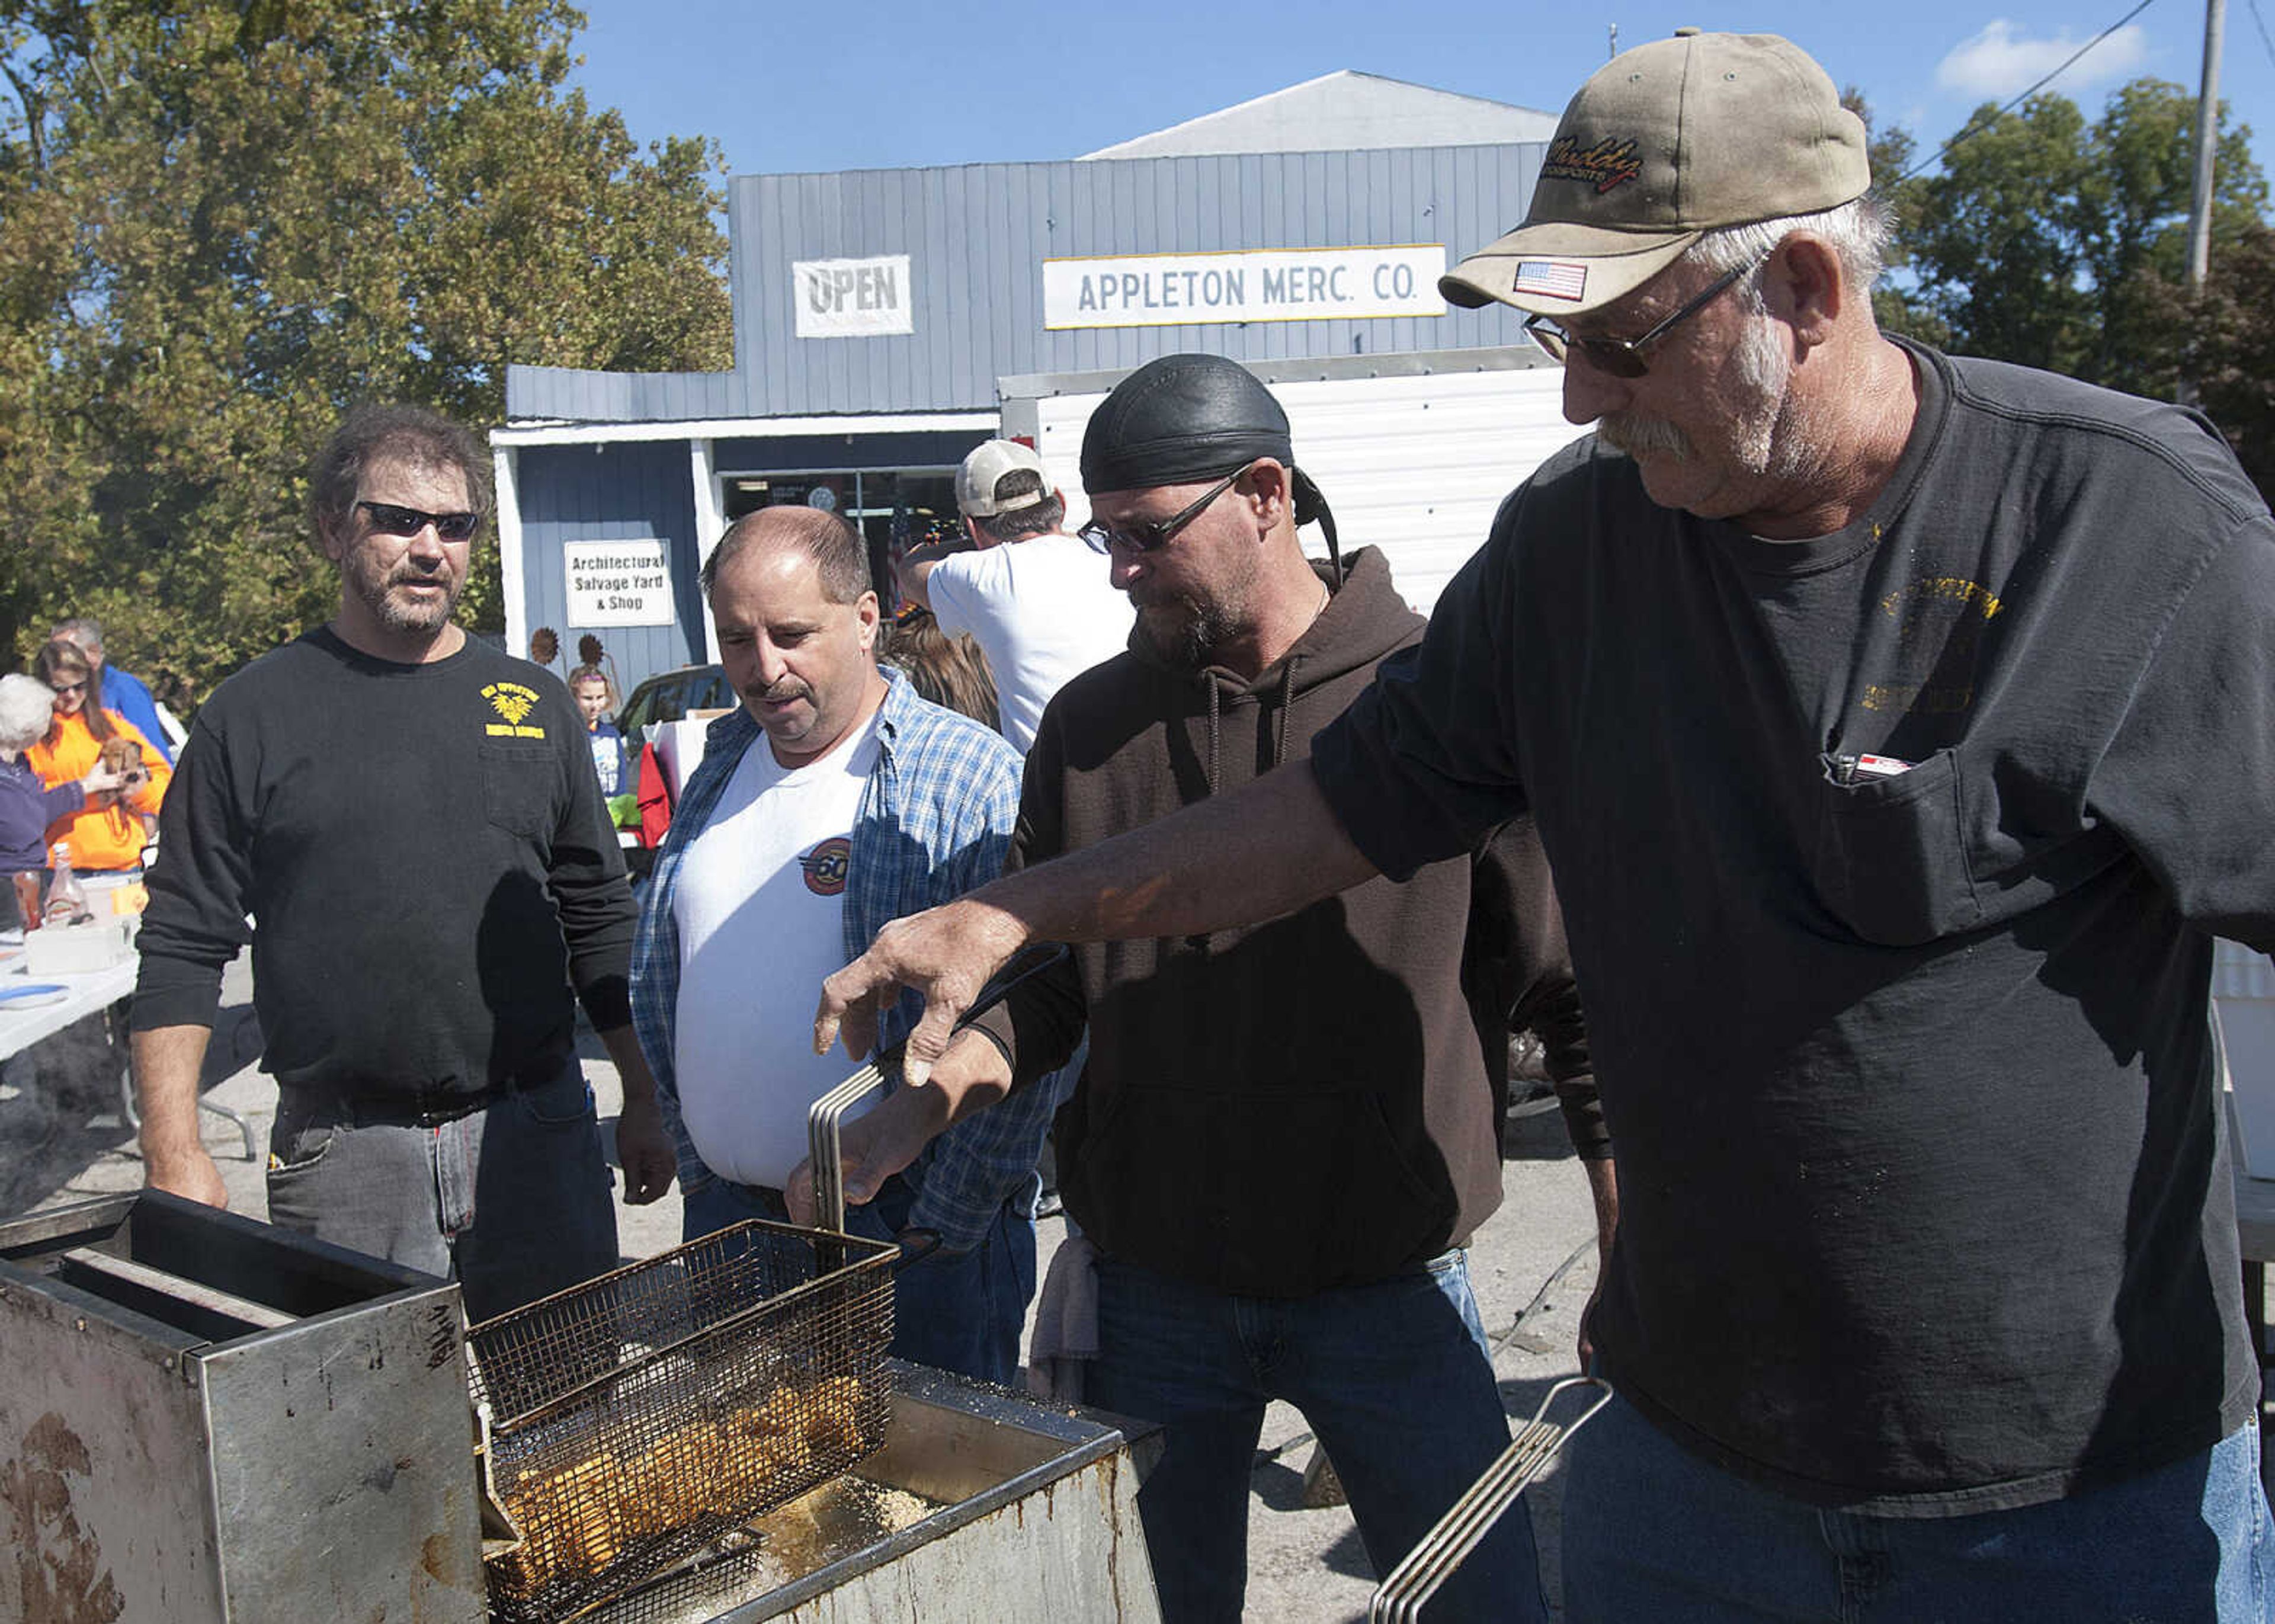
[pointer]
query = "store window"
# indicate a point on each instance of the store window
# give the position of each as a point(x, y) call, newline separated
point(894, 510)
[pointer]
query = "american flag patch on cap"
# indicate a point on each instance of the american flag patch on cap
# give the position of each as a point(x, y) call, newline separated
point(1551, 278)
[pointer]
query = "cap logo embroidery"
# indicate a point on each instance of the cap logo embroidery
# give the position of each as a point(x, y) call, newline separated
point(1551, 278)
point(1603, 166)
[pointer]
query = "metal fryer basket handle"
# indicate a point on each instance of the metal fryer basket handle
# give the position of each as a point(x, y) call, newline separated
point(824, 1142)
point(1398, 1599)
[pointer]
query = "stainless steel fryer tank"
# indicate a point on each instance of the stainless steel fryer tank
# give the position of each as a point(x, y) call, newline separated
point(983, 1504)
point(205, 1418)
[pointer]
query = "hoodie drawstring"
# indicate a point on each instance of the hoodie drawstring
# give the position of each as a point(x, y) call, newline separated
point(1287, 704)
point(1215, 732)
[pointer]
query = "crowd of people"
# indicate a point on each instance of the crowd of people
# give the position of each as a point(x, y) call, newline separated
point(1902, 721)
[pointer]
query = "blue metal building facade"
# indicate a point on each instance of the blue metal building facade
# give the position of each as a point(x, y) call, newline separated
point(976, 238)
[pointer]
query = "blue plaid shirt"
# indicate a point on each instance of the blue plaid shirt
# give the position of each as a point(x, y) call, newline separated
point(935, 821)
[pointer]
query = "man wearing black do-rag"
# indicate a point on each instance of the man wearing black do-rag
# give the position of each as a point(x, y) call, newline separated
point(1285, 1133)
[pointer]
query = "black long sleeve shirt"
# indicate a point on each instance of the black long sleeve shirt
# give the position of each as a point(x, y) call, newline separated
point(424, 857)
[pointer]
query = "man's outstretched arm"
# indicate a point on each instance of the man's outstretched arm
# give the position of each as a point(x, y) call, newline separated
point(1262, 850)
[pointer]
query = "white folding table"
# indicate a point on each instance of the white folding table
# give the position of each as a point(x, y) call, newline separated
point(86, 992)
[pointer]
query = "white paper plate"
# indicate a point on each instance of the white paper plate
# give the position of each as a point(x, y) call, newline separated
point(32, 997)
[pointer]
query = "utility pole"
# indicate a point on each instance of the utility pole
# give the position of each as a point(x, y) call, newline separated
point(2207, 147)
point(2207, 154)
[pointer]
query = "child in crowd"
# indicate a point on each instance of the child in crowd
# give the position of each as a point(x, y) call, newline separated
point(596, 700)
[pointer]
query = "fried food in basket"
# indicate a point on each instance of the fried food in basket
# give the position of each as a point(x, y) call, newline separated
point(578, 1519)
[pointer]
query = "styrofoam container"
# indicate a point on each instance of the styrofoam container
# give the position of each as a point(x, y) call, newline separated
point(74, 950)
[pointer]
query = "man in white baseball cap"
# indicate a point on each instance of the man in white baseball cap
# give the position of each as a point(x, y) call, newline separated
point(1038, 602)
point(1901, 730)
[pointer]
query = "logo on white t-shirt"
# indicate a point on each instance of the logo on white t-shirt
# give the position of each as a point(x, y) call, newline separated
point(827, 865)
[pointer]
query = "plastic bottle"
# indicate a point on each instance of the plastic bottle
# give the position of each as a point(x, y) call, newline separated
point(66, 898)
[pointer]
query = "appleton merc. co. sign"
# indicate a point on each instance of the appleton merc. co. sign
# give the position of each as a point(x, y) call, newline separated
point(1258, 284)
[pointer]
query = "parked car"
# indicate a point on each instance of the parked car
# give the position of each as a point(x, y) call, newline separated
point(668, 695)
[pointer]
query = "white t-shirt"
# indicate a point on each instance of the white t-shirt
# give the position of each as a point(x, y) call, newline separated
point(1042, 610)
point(761, 907)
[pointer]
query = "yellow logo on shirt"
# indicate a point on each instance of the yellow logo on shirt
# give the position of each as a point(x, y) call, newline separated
point(513, 702)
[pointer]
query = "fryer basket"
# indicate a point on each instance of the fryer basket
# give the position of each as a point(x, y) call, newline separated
point(633, 1419)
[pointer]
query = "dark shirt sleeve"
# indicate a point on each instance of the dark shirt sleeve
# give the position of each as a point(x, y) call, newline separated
point(1038, 1023)
point(2189, 775)
point(195, 921)
point(1517, 971)
point(585, 870)
point(1423, 764)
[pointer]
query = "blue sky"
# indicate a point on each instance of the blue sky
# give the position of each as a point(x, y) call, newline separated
point(885, 83)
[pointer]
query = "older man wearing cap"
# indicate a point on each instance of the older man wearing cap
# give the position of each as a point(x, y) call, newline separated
point(1285, 1134)
point(1902, 730)
point(1037, 600)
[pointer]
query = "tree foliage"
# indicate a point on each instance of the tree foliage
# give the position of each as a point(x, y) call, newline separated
point(223, 221)
point(2233, 352)
point(2058, 243)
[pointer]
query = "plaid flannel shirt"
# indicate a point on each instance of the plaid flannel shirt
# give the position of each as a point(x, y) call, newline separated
point(935, 821)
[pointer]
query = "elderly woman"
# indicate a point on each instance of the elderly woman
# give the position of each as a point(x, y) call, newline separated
point(109, 836)
point(27, 806)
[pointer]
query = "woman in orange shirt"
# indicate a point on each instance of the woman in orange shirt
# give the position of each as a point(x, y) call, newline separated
point(106, 835)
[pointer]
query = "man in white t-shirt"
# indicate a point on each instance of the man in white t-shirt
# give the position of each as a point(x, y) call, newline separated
point(1040, 603)
point(830, 801)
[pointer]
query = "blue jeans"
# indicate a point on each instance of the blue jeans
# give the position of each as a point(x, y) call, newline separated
point(515, 1201)
point(1653, 1531)
point(960, 1311)
point(1395, 1379)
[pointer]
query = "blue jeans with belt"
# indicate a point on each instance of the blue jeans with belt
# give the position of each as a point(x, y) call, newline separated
point(960, 1311)
point(1653, 1531)
point(514, 1200)
point(1393, 1376)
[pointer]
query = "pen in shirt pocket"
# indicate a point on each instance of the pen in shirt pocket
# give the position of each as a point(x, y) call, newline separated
point(1854, 769)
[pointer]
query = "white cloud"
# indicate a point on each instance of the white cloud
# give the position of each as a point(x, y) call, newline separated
point(2001, 60)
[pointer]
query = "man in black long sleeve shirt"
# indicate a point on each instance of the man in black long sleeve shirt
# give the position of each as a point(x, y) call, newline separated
point(410, 820)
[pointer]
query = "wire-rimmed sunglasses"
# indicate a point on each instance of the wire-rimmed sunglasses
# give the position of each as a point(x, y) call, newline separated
point(1150, 536)
point(1624, 358)
point(392, 519)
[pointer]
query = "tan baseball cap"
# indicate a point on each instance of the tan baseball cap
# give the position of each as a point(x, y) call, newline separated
point(983, 469)
point(1666, 141)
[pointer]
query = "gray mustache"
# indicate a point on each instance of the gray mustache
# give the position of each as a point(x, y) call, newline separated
point(1640, 436)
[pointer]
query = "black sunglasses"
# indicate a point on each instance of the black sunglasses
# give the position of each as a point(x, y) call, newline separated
point(390, 520)
point(1622, 358)
point(1150, 536)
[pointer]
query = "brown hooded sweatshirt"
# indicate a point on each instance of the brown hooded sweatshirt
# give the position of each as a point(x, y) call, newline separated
point(1309, 1103)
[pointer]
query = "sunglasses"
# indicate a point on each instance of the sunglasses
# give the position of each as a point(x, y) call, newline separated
point(63, 688)
point(389, 520)
point(1150, 536)
point(1622, 358)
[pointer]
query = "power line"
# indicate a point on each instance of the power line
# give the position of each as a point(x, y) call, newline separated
point(1973, 128)
point(2262, 21)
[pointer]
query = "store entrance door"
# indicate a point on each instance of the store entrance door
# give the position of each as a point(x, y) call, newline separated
point(894, 508)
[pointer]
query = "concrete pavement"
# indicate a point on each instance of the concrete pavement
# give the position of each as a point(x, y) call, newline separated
point(62, 1139)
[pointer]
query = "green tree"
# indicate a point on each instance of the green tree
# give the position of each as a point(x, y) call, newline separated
point(226, 220)
point(1890, 149)
point(2053, 242)
point(2233, 352)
